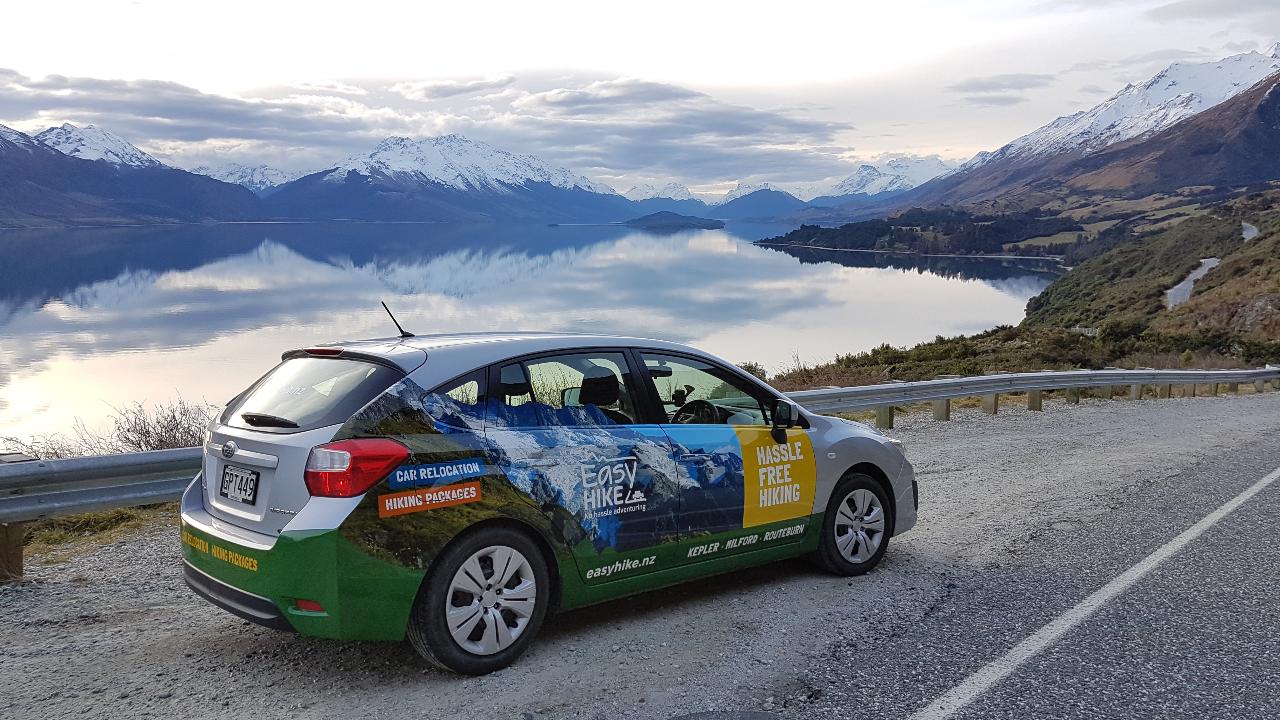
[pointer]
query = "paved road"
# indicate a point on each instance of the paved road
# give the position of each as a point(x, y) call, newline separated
point(1023, 516)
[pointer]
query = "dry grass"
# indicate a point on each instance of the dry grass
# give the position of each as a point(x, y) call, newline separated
point(57, 540)
point(135, 428)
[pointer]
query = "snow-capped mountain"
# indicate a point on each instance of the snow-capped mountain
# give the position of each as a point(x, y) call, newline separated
point(460, 163)
point(1175, 93)
point(889, 173)
point(670, 191)
point(447, 178)
point(259, 178)
point(94, 143)
point(10, 138)
point(744, 189)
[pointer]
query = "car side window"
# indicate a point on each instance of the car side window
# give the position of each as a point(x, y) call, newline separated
point(697, 392)
point(571, 390)
point(458, 403)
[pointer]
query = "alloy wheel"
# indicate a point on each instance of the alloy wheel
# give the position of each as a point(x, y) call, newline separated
point(491, 599)
point(859, 525)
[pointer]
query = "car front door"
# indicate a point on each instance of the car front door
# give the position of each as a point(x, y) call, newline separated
point(569, 433)
point(744, 484)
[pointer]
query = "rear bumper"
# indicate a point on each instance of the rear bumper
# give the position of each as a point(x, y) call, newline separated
point(254, 608)
point(262, 578)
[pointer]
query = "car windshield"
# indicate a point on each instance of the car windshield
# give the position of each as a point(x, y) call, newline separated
point(306, 393)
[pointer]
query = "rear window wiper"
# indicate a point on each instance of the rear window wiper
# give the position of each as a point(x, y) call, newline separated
point(264, 420)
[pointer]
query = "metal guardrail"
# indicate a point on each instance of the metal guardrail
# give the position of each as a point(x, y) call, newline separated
point(875, 396)
point(47, 488)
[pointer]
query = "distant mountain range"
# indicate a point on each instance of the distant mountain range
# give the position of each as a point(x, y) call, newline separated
point(87, 175)
point(1026, 168)
point(261, 179)
point(1191, 124)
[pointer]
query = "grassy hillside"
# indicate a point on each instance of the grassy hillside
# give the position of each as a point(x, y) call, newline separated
point(1125, 285)
point(1109, 310)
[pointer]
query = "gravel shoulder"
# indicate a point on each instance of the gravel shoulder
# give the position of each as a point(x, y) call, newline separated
point(1005, 503)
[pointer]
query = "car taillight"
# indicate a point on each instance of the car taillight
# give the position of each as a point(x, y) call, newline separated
point(348, 468)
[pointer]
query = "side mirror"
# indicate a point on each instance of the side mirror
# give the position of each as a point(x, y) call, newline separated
point(784, 414)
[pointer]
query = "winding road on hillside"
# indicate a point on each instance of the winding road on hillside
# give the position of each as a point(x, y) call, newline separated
point(1108, 559)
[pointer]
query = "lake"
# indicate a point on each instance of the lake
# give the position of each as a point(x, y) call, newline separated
point(95, 318)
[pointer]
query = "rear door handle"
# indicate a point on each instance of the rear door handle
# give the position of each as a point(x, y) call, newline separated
point(539, 462)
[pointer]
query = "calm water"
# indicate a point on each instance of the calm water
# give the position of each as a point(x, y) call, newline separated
point(95, 318)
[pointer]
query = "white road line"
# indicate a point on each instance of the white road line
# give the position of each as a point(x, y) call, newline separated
point(993, 672)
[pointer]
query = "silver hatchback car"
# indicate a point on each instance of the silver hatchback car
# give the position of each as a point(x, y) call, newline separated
point(454, 489)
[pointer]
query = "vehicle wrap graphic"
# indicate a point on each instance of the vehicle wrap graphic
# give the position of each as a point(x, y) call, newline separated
point(445, 437)
point(604, 494)
point(364, 597)
point(419, 500)
point(780, 477)
point(618, 483)
point(410, 476)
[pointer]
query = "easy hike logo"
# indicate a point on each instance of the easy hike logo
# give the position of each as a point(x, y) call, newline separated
point(621, 566)
point(609, 486)
point(413, 501)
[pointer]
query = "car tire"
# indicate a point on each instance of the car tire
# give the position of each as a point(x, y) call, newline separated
point(476, 625)
point(855, 527)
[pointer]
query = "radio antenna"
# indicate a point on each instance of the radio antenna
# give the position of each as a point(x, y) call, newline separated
point(403, 333)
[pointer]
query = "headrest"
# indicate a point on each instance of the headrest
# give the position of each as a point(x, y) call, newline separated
point(513, 383)
point(599, 387)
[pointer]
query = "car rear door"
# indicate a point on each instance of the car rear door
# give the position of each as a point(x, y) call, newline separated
point(567, 430)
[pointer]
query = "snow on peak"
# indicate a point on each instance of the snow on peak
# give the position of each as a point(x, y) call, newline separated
point(1175, 93)
point(670, 191)
point(9, 136)
point(256, 178)
point(461, 163)
point(94, 143)
point(891, 173)
point(746, 189)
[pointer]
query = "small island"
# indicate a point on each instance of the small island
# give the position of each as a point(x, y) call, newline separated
point(669, 221)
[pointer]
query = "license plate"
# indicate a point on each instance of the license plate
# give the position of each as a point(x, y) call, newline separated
point(239, 484)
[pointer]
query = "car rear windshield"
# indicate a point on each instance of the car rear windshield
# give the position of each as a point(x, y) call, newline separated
point(307, 393)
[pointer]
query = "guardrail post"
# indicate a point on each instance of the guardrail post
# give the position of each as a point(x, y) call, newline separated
point(1073, 396)
point(1135, 392)
point(884, 417)
point(1035, 399)
point(1213, 389)
point(1233, 388)
point(1259, 386)
point(991, 403)
point(942, 409)
point(11, 538)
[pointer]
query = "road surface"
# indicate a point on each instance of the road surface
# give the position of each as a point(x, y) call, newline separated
point(977, 613)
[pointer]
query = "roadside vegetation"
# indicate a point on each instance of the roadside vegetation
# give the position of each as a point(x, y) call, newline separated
point(133, 428)
point(941, 231)
point(1109, 310)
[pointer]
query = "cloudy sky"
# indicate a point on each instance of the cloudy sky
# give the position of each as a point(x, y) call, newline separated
point(706, 93)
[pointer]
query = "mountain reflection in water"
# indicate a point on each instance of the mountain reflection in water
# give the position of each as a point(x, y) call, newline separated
point(91, 318)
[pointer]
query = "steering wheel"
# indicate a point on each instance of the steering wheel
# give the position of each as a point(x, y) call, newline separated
point(697, 412)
